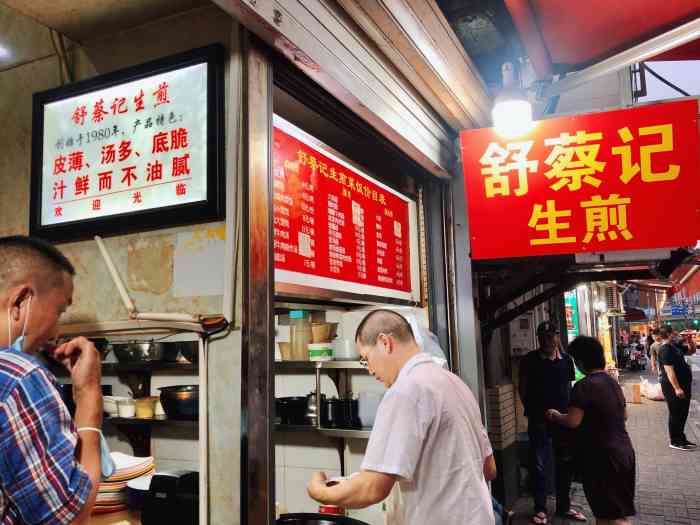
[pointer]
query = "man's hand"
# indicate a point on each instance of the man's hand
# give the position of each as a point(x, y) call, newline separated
point(82, 360)
point(317, 485)
point(680, 394)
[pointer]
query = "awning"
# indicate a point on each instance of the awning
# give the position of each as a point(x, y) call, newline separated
point(567, 36)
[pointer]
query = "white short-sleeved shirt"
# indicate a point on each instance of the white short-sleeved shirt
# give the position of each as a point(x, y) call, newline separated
point(428, 432)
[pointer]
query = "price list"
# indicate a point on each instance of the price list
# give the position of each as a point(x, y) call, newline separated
point(332, 221)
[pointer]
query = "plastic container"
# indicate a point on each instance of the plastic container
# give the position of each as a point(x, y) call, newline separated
point(332, 510)
point(299, 334)
point(345, 350)
point(320, 352)
point(126, 407)
point(145, 407)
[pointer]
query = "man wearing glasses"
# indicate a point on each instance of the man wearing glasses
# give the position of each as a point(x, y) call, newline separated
point(427, 436)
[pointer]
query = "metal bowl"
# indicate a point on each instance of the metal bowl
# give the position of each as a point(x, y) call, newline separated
point(189, 350)
point(180, 402)
point(134, 351)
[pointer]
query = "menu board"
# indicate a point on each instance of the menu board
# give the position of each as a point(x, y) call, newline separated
point(127, 148)
point(135, 142)
point(334, 226)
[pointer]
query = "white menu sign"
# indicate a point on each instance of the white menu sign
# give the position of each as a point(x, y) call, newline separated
point(128, 148)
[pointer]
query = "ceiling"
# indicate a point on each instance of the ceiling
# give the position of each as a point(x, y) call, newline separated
point(81, 20)
point(559, 36)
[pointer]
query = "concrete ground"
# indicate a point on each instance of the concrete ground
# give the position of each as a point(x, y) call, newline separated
point(668, 481)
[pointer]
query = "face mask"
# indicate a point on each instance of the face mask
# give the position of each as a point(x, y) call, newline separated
point(18, 345)
point(107, 465)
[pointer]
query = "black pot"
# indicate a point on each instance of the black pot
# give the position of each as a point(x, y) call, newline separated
point(292, 410)
point(316, 519)
point(180, 402)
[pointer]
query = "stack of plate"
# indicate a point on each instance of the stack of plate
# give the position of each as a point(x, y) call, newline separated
point(111, 494)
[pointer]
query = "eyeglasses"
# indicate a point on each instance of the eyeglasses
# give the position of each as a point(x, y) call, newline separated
point(364, 363)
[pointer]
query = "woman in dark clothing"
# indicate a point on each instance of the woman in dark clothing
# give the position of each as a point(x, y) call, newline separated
point(598, 407)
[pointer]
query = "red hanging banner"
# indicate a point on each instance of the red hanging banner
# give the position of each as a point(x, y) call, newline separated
point(600, 182)
point(333, 224)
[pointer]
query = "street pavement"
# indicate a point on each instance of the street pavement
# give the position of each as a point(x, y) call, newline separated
point(668, 481)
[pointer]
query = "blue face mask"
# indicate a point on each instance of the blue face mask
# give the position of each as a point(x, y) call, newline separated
point(107, 465)
point(18, 345)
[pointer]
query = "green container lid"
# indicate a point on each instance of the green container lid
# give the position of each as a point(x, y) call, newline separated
point(297, 314)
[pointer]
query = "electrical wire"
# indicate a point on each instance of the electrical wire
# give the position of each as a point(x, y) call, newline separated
point(667, 82)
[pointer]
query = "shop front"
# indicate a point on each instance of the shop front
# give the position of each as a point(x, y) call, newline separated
point(303, 195)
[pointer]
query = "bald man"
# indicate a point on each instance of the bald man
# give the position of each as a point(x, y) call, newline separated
point(427, 436)
point(49, 465)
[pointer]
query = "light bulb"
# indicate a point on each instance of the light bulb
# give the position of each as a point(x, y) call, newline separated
point(512, 117)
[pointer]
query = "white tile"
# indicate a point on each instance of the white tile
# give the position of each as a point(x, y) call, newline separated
point(163, 379)
point(296, 480)
point(279, 455)
point(363, 382)
point(309, 450)
point(173, 442)
point(302, 385)
point(280, 485)
point(176, 464)
point(355, 453)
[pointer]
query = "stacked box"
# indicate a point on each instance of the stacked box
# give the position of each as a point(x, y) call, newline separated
point(501, 417)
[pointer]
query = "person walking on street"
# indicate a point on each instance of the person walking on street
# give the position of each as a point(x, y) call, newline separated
point(654, 352)
point(546, 375)
point(607, 459)
point(427, 436)
point(676, 383)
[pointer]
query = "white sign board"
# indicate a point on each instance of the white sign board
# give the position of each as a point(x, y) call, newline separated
point(128, 148)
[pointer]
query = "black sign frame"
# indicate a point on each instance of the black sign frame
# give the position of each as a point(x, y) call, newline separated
point(211, 209)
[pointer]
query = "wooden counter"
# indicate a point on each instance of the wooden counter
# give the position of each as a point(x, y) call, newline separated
point(124, 517)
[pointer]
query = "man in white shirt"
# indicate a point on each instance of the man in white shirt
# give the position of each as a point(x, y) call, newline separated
point(427, 436)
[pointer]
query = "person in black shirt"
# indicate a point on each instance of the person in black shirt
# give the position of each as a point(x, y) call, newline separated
point(676, 382)
point(598, 410)
point(545, 383)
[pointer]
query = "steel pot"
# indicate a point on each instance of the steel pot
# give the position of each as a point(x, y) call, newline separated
point(135, 351)
point(189, 350)
point(180, 402)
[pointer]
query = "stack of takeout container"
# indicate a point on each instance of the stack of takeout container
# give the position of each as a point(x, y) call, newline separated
point(111, 494)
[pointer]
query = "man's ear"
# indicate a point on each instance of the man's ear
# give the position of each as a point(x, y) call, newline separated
point(16, 297)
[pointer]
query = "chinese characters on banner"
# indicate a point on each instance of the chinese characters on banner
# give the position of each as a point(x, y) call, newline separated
point(332, 222)
point(129, 148)
point(618, 180)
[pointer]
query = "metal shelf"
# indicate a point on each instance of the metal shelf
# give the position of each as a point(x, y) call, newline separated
point(345, 433)
point(157, 420)
point(312, 365)
point(130, 368)
point(148, 366)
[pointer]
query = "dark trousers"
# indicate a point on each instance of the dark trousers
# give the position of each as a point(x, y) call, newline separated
point(677, 412)
point(545, 439)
